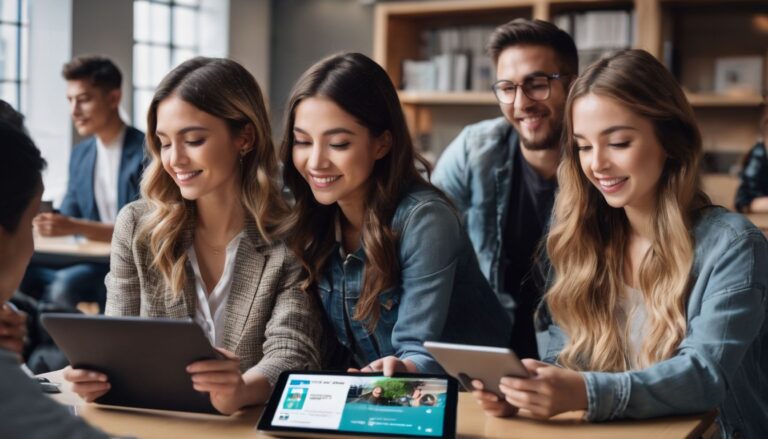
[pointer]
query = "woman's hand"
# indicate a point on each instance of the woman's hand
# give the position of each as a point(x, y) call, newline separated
point(222, 380)
point(491, 403)
point(389, 365)
point(88, 384)
point(549, 391)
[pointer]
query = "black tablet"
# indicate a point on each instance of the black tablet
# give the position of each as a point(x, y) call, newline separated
point(144, 358)
point(341, 404)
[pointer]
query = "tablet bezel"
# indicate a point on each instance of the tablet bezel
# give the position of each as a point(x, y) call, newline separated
point(118, 346)
point(265, 421)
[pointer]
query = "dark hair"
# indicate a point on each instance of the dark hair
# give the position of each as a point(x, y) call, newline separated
point(361, 88)
point(9, 115)
point(20, 171)
point(536, 32)
point(101, 71)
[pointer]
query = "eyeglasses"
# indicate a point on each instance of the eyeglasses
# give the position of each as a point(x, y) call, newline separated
point(537, 88)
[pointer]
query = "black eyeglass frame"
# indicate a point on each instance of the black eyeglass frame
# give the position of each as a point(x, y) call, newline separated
point(554, 76)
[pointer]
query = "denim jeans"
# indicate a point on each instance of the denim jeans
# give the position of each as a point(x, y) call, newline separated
point(67, 286)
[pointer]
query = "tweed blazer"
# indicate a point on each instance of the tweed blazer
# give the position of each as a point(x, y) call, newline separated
point(270, 323)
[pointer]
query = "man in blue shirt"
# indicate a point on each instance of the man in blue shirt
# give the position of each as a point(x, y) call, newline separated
point(500, 173)
point(104, 174)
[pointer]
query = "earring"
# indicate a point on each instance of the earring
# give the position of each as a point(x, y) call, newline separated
point(243, 152)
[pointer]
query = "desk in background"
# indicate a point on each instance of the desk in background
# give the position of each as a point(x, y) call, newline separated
point(67, 250)
point(471, 423)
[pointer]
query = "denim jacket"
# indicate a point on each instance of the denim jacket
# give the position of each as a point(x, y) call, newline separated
point(723, 360)
point(440, 295)
point(475, 171)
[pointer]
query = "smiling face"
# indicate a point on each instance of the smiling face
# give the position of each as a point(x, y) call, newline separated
point(538, 123)
point(333, 152)
point(92, 108)
point(618, 151)
point(198, 150)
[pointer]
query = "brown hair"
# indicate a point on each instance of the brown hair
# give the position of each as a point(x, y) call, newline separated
point(521, 31)
point(361, 88)
point(101, 71)
point(587, 241)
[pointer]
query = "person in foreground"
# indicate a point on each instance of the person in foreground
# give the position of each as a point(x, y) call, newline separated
point(384, 249)
point(25, 411)
point(658, 298)
point(202, 242)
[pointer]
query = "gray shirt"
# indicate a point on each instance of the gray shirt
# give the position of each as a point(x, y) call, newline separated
point(27, 413)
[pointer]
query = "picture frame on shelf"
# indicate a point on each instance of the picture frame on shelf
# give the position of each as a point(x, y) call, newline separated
point(739, 76)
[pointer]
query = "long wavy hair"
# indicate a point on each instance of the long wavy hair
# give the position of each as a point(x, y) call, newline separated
point(588, 238)
point(362, 88)
point(222, 88)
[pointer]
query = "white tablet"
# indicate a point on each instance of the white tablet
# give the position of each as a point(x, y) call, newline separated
point(339, 404)
point(484, 363)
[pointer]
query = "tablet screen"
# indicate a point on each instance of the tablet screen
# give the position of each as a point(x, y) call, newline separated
point(363, 404)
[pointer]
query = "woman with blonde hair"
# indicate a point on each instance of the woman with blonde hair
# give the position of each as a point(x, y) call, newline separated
point(658, 298)
point(202, 241)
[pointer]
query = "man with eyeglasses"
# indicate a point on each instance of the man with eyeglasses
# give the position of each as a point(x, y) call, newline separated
point(500, 173)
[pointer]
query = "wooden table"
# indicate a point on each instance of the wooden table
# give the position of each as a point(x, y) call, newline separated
point(472, 422)
point(66, 250)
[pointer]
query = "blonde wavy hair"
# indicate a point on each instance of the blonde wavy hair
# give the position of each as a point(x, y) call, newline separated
point(222, 88)
point(588, 238)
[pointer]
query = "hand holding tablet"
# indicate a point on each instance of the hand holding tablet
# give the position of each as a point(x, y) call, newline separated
point(484, 363)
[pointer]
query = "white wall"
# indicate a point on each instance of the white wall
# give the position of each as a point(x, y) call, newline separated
point(47, 114)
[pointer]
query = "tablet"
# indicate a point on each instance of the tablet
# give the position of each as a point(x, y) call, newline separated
point(485, 363)
point(144, 358)
point(338, 404)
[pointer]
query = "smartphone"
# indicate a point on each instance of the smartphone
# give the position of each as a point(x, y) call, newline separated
point(47, 207)
point(485, 363)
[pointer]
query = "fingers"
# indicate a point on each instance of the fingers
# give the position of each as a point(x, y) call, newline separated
point(83, 375)
point(216, 381)
point(204, 366)
point(534, 365)
point(353, 370)
point(88, 384)
point(478, 385)
point(227, 354)
point(392, 365)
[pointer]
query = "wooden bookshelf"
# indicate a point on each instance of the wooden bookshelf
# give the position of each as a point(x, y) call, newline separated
point(687, 35)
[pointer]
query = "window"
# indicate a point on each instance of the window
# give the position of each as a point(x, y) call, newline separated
point(14, 41)
point(165, 33)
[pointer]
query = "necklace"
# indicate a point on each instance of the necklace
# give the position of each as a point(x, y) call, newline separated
point(217, 250)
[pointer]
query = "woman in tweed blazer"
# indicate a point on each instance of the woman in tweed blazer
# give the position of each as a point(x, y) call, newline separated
point(201, 243)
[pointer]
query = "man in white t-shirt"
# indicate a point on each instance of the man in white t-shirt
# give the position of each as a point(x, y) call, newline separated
point(104, 174)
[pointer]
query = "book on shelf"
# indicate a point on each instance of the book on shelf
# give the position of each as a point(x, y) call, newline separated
point(453, 60)
point(597, 32)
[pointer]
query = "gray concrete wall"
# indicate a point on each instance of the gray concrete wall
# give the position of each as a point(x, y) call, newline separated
point(303, 32)
point(106, 28)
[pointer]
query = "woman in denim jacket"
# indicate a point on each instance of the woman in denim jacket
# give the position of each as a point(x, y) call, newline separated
point(658, 298)
point(383, 248)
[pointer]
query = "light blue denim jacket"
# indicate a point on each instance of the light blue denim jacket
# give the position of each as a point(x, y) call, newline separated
point(475, 171)
point(441, 294)
point(723, 360)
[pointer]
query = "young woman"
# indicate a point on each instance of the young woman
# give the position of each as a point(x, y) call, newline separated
point(382, 247)
point(201, 242)
point(24, 409)
point(658, 299)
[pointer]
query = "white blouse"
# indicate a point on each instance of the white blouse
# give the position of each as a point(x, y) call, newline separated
point(211, 308)
point(632, 304)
